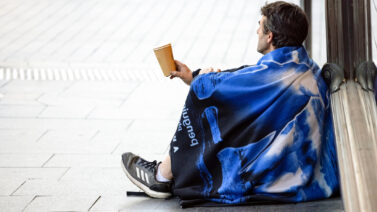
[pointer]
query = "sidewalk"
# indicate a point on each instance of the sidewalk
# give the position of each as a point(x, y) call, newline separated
point(60, 144)
point(61, 138)
point(115, 33)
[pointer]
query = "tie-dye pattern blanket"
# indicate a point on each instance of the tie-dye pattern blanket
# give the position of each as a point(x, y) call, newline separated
point(263, 132)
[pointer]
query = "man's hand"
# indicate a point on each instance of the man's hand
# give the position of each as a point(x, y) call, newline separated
point(182, 72)
point(209, 70)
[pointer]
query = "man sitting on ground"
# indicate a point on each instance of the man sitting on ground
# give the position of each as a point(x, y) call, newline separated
point(261, 132)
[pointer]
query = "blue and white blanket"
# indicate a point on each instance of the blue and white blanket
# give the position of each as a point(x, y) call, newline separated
point(262, 132)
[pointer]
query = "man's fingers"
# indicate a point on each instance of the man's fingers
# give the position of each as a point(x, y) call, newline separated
point(210, 69)
point(178, 63)
point(180, 66)
point(176, 74)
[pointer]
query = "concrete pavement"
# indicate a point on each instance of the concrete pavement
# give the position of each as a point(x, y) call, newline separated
point(61, 142)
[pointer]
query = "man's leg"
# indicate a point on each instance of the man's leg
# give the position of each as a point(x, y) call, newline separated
point(165, 168)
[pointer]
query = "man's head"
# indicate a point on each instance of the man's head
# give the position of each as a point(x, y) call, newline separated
point(282, 24)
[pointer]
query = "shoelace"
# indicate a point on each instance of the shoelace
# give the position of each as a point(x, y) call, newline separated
point(148, 165)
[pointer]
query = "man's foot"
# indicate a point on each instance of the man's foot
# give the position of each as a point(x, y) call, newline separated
point(143, 174)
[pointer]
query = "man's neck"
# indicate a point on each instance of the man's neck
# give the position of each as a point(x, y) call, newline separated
point(270, 49)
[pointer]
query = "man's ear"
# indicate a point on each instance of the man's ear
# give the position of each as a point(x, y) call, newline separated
point(269, 38)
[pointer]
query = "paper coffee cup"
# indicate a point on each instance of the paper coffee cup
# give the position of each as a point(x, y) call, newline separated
point(164, 55)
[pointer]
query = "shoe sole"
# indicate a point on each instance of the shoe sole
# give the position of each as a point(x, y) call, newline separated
point(148, 191)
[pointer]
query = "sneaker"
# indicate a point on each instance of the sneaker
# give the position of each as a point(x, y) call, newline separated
point(143, 174)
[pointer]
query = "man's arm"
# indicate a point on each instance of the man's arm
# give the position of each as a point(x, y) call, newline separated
point(187, 75)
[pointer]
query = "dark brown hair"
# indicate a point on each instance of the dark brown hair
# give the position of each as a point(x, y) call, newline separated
point(287, 22)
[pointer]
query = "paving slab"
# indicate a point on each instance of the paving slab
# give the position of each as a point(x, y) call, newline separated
point(32, 173)
point(23, 160)
point(61, 203)
point(66, 147)
point(9, 186)
point(35, 87)
point(14, 203)
point(69, 187)
point(84, 160)
point(66, 101)
point(100, 89)
point(61, 124)
point(21, 98)
point(69, 111)
point(154, 125)
point(20, 111)
point(10, 134)
point(124, 203)
point(144, 142)
point(77, 173)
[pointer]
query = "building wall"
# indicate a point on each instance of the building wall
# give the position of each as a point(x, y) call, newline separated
point(373, 7)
